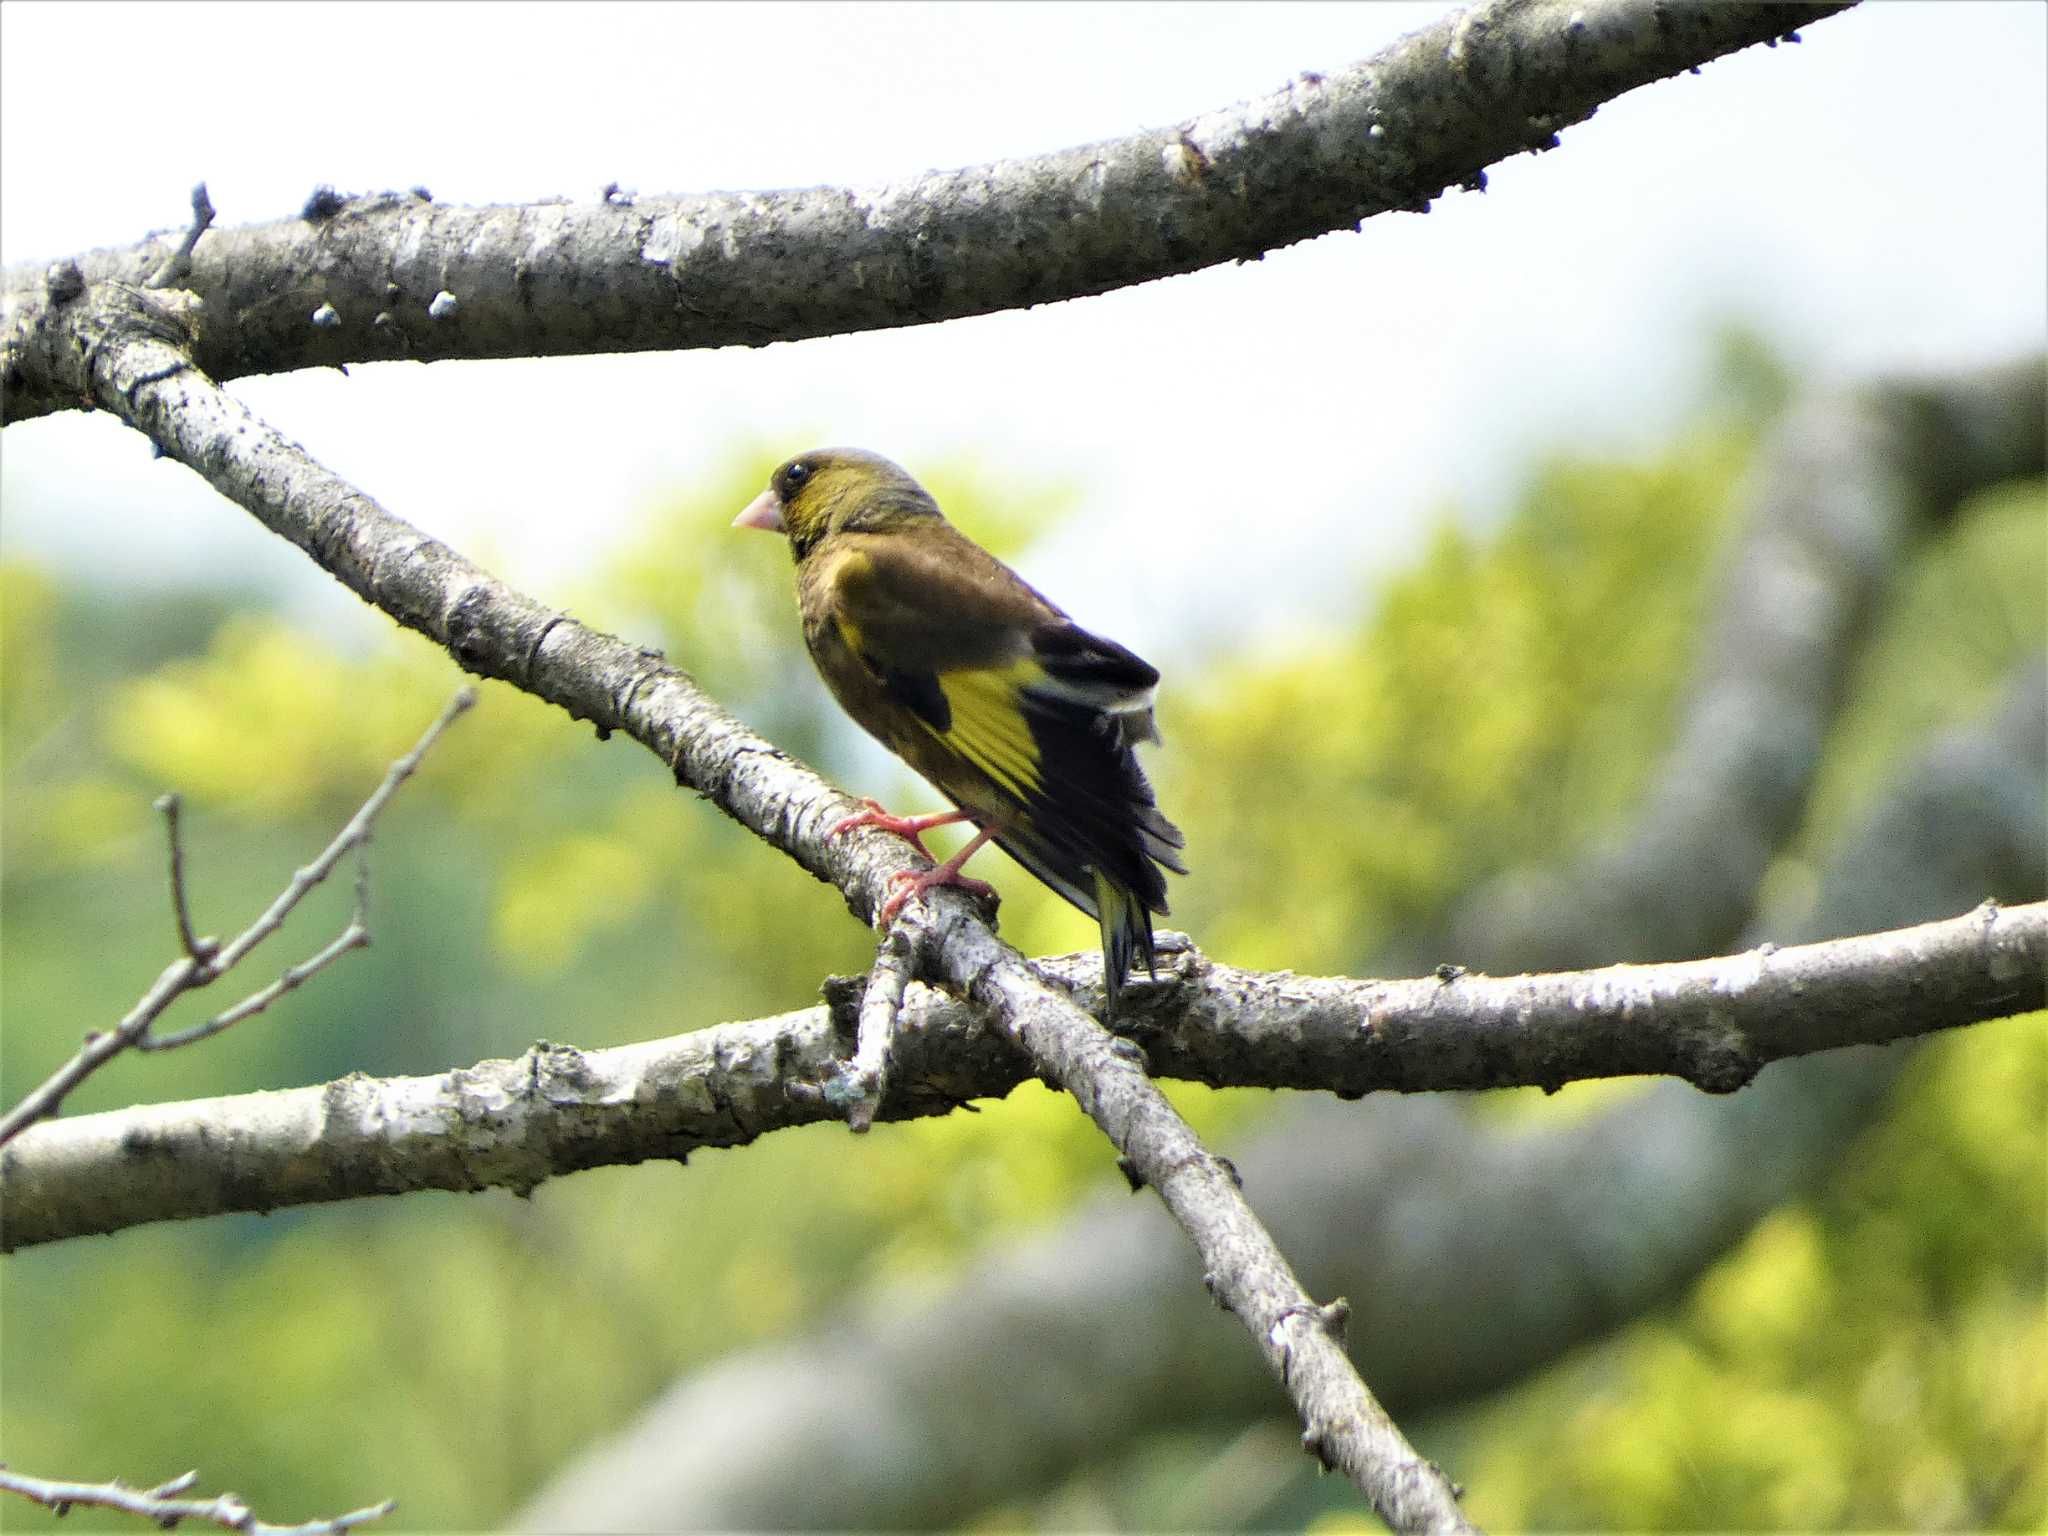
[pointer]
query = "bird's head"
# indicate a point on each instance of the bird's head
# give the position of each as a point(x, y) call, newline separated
point(836, 490)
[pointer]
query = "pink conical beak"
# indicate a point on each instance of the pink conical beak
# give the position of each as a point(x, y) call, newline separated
point(764, 512)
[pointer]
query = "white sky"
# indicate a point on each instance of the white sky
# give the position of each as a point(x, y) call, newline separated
point(1248, 440)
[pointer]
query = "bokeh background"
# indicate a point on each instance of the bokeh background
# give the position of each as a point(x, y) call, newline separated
point(1432, 508)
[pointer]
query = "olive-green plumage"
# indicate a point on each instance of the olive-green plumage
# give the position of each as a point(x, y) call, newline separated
point(1022, 719)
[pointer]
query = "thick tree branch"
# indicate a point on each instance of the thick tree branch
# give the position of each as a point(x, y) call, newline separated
point(1713, 1023)
point(555, 1110)
point(1323, 153)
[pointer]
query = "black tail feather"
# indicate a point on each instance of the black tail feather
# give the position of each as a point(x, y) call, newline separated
point(1095, 833)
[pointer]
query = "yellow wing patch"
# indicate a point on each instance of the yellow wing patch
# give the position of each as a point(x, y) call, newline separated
point(843, 569)
point(989, 728)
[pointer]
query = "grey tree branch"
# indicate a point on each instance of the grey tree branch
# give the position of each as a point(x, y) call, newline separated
point(162, 1506)
point(514, 1124)
point(205, 961)
point(1322, 153)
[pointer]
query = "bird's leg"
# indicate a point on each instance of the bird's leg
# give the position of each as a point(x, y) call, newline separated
point(909, 885)
point(911, 827)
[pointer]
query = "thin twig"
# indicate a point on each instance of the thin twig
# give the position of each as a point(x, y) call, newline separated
point(101, 1047)
point(160, 1505)
point(178, 265)
point(354, 936)
point(204, 962)
point(198, 949)
point(357, 831)
point(866, 1077)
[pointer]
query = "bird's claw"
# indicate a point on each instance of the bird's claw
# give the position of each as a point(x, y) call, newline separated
point(908, 885)
point(873, 815)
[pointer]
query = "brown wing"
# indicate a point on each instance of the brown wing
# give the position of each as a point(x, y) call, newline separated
point(930, 602)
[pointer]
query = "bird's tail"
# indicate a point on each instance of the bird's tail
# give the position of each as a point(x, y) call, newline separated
point(1126, 935)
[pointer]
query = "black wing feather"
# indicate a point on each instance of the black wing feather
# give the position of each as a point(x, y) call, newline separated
point(1093, 810)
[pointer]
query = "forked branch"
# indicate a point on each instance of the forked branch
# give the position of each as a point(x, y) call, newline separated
point(206, 960)
point(163, 1507)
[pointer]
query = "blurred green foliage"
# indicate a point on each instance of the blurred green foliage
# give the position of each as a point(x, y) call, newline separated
point(1505, 698)
point(1872, 1356)
point(1875, 1356)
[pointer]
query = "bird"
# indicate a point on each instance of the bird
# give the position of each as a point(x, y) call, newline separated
point(1021, 718)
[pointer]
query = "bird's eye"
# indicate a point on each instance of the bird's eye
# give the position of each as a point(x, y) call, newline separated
point(797, 474)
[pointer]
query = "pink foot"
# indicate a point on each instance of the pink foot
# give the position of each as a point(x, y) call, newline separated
point(908, 885)
point(910, 828)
